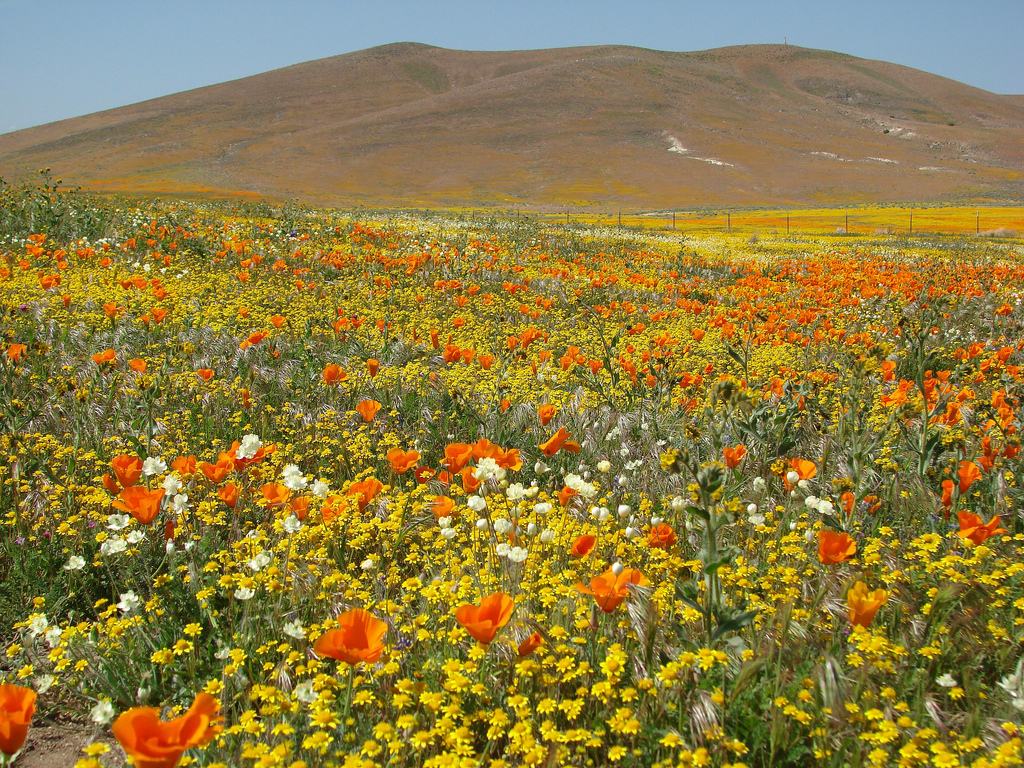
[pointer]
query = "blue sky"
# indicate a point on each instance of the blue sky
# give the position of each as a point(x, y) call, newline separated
point(60, 59)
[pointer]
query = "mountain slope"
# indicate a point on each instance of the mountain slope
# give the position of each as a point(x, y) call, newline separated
point(411, 124)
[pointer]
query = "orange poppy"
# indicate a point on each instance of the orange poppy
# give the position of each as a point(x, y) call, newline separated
point(804, 469)
point(972, 529)
point(275, 494)
point(216, 473)
point(260, 455)
point(111, 484)
point(106, 356)
point(969, 473)
point(469, 482)
point(583, 545)
point(277, 320)
point(17, 705)
point(368, 409)
point(137, 364)
point(457, 456)
point(546, 413)
point(15, 352)
point(863, 605)
point(529, 645)
point(153, 743)
point(662, 536)
point(557, 442)
point(505, 404)
point(300, 507)
point(205, 373)
point(359, 637)
point(229, 495)
point(485, 620)
point(442, 506)
point(332, 507)
point(610, 590)
point(365, 490)
point(372, 366)
point(565, 495)
point(402, 461)
point(140, 503)
point(333, 374)
point(733, 456)
point(127, 469)
point(835, 548)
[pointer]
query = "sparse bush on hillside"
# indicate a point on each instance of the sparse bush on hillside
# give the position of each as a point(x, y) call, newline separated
point(999, 232)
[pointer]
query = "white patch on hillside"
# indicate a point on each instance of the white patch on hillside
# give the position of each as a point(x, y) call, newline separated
point(677, 146)
point(884, 160)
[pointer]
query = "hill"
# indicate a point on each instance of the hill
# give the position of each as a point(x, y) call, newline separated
point(410, 124)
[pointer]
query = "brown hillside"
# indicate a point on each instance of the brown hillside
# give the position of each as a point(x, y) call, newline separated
point(409, 124)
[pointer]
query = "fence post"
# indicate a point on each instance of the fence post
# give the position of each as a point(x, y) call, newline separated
point(911, 221)
point(728, 222)
point(977, 222)
point(787, 222)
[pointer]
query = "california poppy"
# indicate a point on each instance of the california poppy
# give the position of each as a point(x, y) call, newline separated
point(17, 705)
point(835, 548)
point(733, 456)
point(229, 495)
point(359, 637)
point(205, 373)
point(442, 506)
point(184, 465)
point(140, 503)
point(529, 645)
point(583, 545)
point(485, 620)
point(275, 494)
point(662, 536)
point(368, 409)
point(372, 366)
point(402, 461)
point(565, 495)
point(365, 491)
point(457, 456)
point(332, 374)
point(863, 605)
point(972, 529)
point(969, 473)
point(559, 441)
point(216, 473)
point(15, 352)
point(127, 469)
point(804, 469)
point(546, 413)
point(609, 590)
point(153, 743)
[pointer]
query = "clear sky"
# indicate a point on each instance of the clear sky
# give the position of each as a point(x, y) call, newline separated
point(63, 58)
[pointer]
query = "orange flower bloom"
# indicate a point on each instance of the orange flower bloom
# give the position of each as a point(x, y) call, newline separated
point(276, 495)
point(368, 409)
point(140, 503)
point(805, 470)
point(333, 374)
point(972, 529)
point(372, 366)
point(205, 373)
point(565, 495)
point(969, 473)
point(111, 484)
point(216, 473)
point(229, 495)
point(483, 621)
point(277, 320)
point(300, 507)
point(456, 456)
point(332, 507)
point(529, 645)
point(359, 637)
point(127, 469)
point(609, 590)
point(863, 605)
point(835, 548)
point(546, 413)
point(505, 404)
point(559, 441)
point(442, 506)
point(469, 482)
point(365, 490)
point(17, 705)
point(662, 536)
point(402, 461)
point(583, 545)
point(15, 352)
point(152, 743)
point(137, 364)
point(947, 493)
point(106, 356)
point(733, 456)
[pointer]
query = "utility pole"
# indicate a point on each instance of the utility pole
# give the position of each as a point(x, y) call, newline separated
point(787, 222)
point(620, 217)
point(977, 222)
point(911, 221)
point(728, 222)
point(847, 227)
point(673, 219)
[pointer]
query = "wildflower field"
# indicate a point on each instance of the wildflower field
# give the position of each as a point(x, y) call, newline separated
point(296, 487)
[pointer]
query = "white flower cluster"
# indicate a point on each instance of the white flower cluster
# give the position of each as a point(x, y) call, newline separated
point(249, 446)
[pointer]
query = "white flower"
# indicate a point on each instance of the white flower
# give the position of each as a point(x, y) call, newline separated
point(320, 489)
point(367, 564)
point(450, 533)
point(476, 503)
point(136, 536)
point(260, 561)
point(75, 563)
point(102, 713)
point(542, 508)
point(244, 593)
point(532, 529)
point(304, 692)
point(803, 485)
point(169, 547)
point(759, 485)
point(223, 653)
point(946, 681)
point(37, 625)
point(540, 467)
point(600, 513)
point(631, 533)
point(248, 447)
point(604, 465)
point(294, 629)
point(624, 510)
point(581, 486)
point(547, 536)
point(657, 520)
point(825, 507)
point(678, 504)
point(792, 477)
point(502, 549)
point(518, 555)
point(113, 546)
point(488, 468)
point(44, 683)
point(118, 522)
point(129, 602)
point(444, 522)
point(53, 636)
point(751, 509)
point(811, 502)
point(515, 492)
point(617, 568)
point(481, 524)
point(153, 466)
point(292, 524)
point(179, 503)
point(171, 484)
point(756, 519)
point(292, 477)
point(503, 526)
